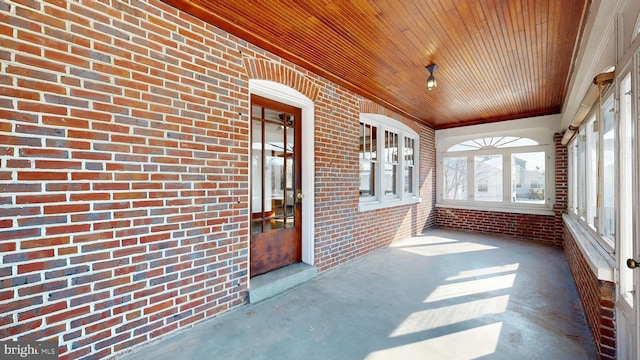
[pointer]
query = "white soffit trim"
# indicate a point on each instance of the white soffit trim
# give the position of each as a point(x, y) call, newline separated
point(595, 54)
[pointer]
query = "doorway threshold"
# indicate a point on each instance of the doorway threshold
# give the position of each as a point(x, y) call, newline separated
point(276, 282)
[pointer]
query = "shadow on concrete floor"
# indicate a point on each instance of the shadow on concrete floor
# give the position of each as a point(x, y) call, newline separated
point(441, 295)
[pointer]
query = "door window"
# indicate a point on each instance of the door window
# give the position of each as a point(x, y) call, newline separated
point(273, 169)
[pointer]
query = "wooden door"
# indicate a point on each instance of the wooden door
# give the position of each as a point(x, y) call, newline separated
point(276, 220)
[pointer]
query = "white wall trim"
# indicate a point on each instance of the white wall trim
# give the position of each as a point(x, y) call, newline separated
point(539, 128)
point(601, 263)
point(596, 53)
point(287, 95)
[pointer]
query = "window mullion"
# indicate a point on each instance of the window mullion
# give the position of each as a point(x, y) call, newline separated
point(401, 160)
point(398, 162)
point(506, 177)
point(471, 181)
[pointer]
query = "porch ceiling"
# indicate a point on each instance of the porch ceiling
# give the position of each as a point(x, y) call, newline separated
point(497, 59)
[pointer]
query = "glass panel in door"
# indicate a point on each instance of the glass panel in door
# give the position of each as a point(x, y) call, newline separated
point(275, 184)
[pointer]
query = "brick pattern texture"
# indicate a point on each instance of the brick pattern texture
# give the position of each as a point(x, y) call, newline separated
point(124, 152)
point(597, 297)
point(539, 228)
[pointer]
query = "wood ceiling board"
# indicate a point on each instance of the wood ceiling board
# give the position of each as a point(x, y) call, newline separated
point(497, 60)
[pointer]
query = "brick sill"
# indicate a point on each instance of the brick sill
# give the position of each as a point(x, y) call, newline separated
point(500, 208)
point(601, 263)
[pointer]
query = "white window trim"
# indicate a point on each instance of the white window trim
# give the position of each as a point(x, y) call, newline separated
point(636, 30)
point(380, 201)
point(506, 205)
point(600, 260)
point(538, 128)
point(580, 215)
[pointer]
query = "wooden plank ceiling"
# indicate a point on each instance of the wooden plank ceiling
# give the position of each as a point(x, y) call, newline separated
point(497, 59)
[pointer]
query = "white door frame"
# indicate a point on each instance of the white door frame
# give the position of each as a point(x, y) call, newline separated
point(287, 95)
point(628, 246)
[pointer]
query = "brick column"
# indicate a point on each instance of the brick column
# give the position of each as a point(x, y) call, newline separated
point(562, 186)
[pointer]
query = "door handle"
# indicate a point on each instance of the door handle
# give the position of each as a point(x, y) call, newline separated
point(632, 264)
point(299, 195)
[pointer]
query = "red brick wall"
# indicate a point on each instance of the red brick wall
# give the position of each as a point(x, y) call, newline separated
point(597, 297)
point(124, 172)
point(539, 228)
point(343, 233)
point(562, 186)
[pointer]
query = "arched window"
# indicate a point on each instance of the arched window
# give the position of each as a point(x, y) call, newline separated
point(497, 142)
point(497, 172)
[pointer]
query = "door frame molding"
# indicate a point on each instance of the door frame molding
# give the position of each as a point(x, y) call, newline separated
point(287, 95)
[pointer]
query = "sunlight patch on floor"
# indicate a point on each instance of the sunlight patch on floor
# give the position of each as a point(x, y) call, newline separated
point(448, 315)
point(446, 249)
point(423, 240)
point(471, 287)
point(468, 344)
point(484, 271)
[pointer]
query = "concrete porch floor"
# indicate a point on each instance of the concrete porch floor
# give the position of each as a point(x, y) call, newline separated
point(441, 295)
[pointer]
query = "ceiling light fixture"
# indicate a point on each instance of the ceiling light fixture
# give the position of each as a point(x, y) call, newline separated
point(431, 81)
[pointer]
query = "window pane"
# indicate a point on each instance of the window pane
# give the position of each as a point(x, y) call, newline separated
point(592, 173)
point(408, 165)
point(388, 158)
point(608, 214)
point(528, 177)
point(368, 158)
point(626, 188)
point(573, 177)
point(257, 166)
point(289, 199)
point(390, 175)
point(582, 175)
point(488, 178)
point(455, 178)
point(389, 180)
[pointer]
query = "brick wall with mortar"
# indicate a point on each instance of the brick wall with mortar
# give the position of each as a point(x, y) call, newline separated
point(597, 297)
point(124, 172)
point(541, 228)
point(562, 185)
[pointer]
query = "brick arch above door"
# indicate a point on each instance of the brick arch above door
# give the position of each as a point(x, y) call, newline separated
point(262, 69)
